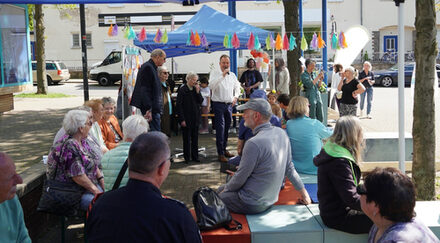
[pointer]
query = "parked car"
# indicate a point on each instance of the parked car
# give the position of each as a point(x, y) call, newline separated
point(55, 71)
point(387, 78)
point(109, 70)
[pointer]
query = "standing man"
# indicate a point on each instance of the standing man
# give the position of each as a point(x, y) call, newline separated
point(138, 212)
point(225, 91)
point(311, 84)
point(147, 94)
point(12, 227)
point(265, 161)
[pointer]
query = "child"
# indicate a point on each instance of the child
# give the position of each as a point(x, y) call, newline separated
point(188, 104)
point(206, 94)
point(284, 100)
point(276, 110)
point(272, 98)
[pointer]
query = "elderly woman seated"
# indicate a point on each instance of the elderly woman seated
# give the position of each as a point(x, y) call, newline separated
point(388, 198)
point(113, 160)
point(72, 158)
point(111, 131)
point(95, 131)
point(305, 135)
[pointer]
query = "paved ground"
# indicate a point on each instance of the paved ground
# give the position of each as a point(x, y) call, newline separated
point(26, 133)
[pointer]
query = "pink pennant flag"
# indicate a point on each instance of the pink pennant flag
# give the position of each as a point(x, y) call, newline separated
point(251, 42)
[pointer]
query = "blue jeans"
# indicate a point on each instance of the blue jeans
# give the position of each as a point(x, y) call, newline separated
point(369, 93)
point(87, 198)
point(223, 117)
point(155, 122)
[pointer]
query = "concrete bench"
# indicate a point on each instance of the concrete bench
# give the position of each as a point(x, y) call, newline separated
point(285, 223)
point(429, 213)
point(333, 235)
point(308, 179)
point(384, 146)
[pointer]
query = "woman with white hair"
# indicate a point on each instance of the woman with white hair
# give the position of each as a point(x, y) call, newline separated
point(111, 131)
point(188, 105)
point(165, 118)
point(72, 158)
point(339, 175)
point(113, 160)
point(351, 88)
point(366, 77)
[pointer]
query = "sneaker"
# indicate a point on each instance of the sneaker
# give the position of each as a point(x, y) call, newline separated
point(362, 114)
point(232, 130)
point(203, 132)
point(369, 117)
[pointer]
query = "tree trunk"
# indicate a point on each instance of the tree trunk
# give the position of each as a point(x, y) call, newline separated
point(39, 50)
point(424, 113)
point(291, 20)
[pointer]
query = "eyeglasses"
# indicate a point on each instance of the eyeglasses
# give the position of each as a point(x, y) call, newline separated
point(163, 162)
point(361, 190)
point(89, 123)
point(167, 73)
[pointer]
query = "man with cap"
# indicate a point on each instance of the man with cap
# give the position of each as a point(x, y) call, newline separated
point(265, 161)
point(244, 133)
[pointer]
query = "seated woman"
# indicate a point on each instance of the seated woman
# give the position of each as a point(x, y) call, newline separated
point(111, 131)
point(388, 198)
point(73, 159)
point(338, 176)
point(95, 132)
point(305, 135)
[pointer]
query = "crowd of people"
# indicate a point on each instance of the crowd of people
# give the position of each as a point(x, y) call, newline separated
point(278, 137)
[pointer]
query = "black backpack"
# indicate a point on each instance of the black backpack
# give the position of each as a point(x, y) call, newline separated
point(211, 211)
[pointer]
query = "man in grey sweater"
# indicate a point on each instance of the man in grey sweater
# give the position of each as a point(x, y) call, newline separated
point(265, 161)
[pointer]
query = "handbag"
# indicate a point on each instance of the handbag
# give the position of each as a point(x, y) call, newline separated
point(60, 198)
point(211, 211)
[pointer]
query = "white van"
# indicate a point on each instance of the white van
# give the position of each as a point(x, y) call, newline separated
point(109, 70)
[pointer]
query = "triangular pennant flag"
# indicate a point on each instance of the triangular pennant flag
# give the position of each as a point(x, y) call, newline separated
point(344, 41)
point(321, 42)
point(203, 40)
point(226, 41)
point(230, 42)
point(278, 43)
point(304, 45)
point(285, 42)
point(197, 39)
point(192, 38)
point(257, 43)
point(158, 36)
point(142, 35)
point(314, 42)
point(126, 32)
point(235, 41)
point(292, 42)
point(272, 41)
point(341, 40)
point(268, 44)
point(251, 42)
point(164, 38)
point(188, 40)
point(334, 41)
point(115, 30)
point(131, 34)
point(110, 30)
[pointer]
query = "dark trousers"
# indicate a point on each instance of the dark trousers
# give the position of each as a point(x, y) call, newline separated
point(223, 117)
point(155, 122)
point(355, 222)
point(190, 137)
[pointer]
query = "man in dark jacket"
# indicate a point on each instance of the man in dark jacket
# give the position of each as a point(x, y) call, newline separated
point(147, 94)
point(138, 212)
point(188, 105)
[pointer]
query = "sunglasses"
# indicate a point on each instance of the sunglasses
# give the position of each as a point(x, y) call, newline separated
point(163, 162)
point(361, 190)
point(167, 73)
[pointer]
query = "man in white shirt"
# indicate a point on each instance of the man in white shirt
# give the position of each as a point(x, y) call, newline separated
point(225, 91)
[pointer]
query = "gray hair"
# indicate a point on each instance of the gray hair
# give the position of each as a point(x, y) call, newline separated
point(134, 126)
point(190, 75)
point(108, 100)
point(353, 71)
point(157, 53)
point(74, 119)
point(369, 64)
point(147, 152)
point(348, 134)
point(162, 69)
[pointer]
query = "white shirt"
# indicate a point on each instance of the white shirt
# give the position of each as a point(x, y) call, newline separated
point(336, 79)
point(205, 92)
point(224, 89)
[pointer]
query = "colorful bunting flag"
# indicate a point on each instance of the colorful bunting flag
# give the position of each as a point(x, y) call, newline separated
point(230, 42)
point(203, 40)
point(344, 41)
point(314, 42)
point(142, 35)
point(115, 30)
point(292, 43)
point(304, 45)
point(235, 41)
point(251, 42)
point(126, 32)
point(131, 34)
point(278, 43)
point(272, 41)
point(334, 41)
point(321, 42)
point(188, 40)
point(158, 36)
point(257, 44)
point(268, 44)
point(110, 30)
point(197, 39)
point(226, 41)
point(164, 38)
point(192, 39)
point(285, 42)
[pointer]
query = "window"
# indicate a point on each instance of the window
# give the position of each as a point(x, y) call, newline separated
point(76, 41)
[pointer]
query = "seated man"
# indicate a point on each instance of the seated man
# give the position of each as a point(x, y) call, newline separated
point(265, 161)
point(12, 227)
point(113, 160)
point(244, 133)
point(138, 212)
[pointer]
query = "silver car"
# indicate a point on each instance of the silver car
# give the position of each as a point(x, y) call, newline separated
point(56, 72)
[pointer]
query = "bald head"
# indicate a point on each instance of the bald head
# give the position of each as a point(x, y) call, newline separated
point(8, 178)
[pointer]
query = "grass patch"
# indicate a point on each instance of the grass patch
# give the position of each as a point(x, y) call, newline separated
point(49, 95)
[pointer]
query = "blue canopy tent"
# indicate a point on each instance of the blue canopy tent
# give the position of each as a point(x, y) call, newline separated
point(214, 25)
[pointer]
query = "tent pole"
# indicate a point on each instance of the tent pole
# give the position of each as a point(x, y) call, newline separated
point(84, 51)
point(324, 37)
point(233, 53)
point(401, 84)
point(273, 70)
point(300, 22)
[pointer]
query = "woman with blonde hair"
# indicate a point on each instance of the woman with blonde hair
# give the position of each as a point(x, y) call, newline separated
point(305, 135)
point(351, 88)
point(339, 175)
